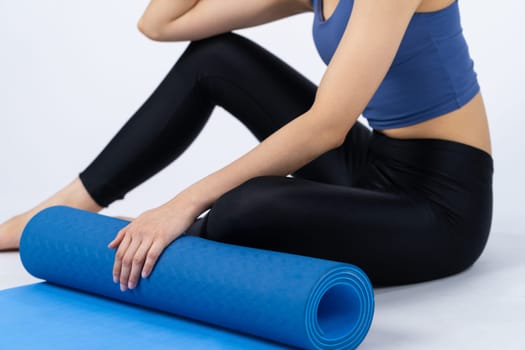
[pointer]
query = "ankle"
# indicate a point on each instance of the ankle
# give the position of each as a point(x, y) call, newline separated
point(76, 195)
point(73, 195)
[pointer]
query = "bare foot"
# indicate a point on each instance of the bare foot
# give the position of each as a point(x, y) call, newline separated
point(10, 232)
point(73, 195)
point(125, 218)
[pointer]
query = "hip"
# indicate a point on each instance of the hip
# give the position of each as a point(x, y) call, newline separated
point(452, 179)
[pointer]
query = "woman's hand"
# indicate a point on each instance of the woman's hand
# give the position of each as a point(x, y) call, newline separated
point(142, 241)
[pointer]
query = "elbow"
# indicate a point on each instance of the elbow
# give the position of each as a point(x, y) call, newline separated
point(328, 140)
point(330, 137)
point(329, 132)
point(337, 137)
point(153, 32)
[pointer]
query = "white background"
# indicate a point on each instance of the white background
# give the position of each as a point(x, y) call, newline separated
point(72, 73)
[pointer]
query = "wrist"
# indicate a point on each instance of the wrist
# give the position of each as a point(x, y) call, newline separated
point(190, 201)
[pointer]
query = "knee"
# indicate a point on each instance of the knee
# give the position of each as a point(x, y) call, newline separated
point(240, 209)
point(211, 49)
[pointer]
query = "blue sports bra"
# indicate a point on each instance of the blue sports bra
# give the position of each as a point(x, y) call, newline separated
point(432, 72)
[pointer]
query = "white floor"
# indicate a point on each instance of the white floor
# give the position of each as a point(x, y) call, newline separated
point(483, 308)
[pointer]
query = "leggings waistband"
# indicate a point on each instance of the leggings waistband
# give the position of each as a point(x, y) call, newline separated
point(455, 158)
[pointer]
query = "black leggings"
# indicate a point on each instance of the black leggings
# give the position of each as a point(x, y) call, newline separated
point(404, 211)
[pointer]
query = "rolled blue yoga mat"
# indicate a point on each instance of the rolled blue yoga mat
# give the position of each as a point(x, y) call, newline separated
point(296, 300)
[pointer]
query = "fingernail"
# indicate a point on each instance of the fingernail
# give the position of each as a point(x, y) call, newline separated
point(123, 287)
point(131, 285)
point(115, 279)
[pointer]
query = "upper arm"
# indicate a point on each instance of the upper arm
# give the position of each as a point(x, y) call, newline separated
point(362, 59)
point(206, 18)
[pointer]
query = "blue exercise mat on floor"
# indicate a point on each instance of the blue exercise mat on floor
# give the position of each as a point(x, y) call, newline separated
point(44, 316)
point(296, 300)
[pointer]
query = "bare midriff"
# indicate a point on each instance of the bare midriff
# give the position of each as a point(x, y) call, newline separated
point(468, 125)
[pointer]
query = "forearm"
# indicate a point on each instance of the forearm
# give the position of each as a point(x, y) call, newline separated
point(286, 150)
point(160, 12)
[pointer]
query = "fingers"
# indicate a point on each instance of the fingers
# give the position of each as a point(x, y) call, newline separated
point(118, 239)
point(151, 259)
point(127, 262)
point(137, 264)
point(135, 258)
point(119, 256)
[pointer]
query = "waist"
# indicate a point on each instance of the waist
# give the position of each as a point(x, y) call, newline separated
point(467, 125)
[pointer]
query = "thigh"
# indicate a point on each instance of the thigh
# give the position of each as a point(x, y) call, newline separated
point(264, 93)
point(392, 236)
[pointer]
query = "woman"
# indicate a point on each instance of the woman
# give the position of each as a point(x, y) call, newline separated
point(408, 201)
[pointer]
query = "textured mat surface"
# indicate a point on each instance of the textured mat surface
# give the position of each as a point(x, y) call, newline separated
point(48, 317)
point(295, 300)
